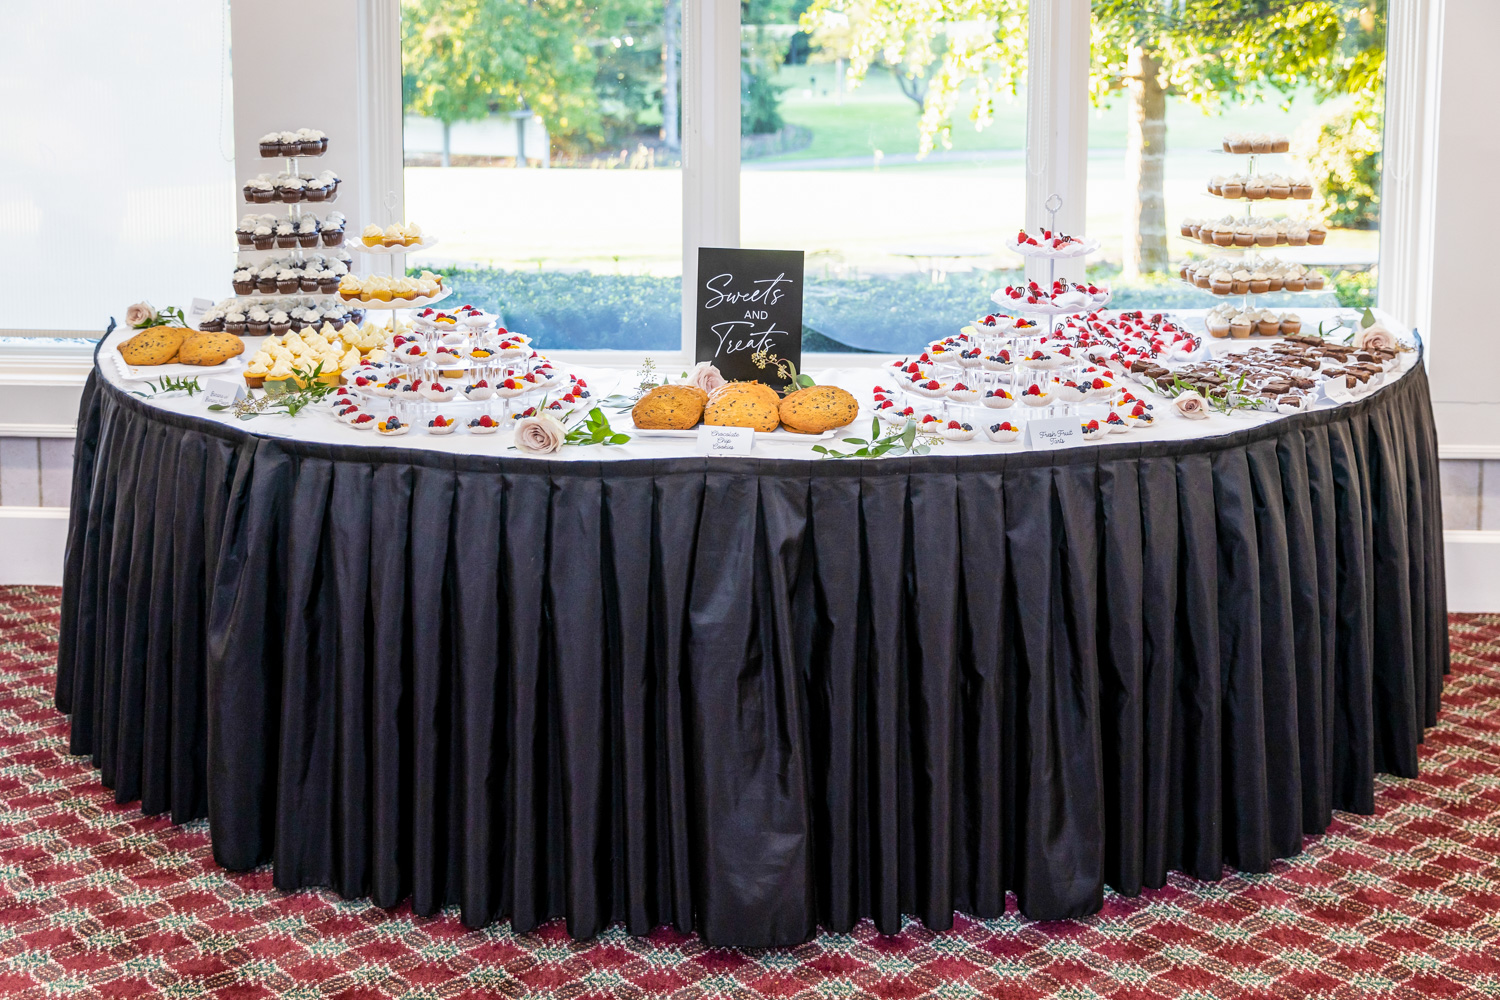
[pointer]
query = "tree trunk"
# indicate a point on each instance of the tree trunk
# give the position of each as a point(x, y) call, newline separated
point(447, 126)
point(671, 30)
point(1145, 159)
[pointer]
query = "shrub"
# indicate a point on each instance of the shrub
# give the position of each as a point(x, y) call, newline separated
point(1345, 154)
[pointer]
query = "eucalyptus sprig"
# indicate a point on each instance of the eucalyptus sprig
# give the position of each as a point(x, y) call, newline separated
point(765, 358)
point(595, 429)
point(291, 403)
point(167, 383)
point(894, 443)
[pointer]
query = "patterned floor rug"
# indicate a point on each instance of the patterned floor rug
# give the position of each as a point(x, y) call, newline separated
point(98, 901)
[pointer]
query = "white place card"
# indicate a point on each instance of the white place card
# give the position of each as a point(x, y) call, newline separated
point(1051, 433)
point(725, 441)
point(196, 310)
point(223, 391)
point(1334, 389)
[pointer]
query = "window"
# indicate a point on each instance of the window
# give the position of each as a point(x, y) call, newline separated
point(542, 148)
point(887, 141)
point(117, 180)
point(1172, 82)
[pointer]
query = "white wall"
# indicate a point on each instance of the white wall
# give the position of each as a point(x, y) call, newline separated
point(1464, 360)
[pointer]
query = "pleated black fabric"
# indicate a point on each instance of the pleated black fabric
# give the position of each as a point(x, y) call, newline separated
point(749, 698)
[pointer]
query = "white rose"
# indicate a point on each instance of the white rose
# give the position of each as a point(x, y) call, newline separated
point(1376, 336)
point(706, 377)
point(1191, 405)
point(140, 314)
point(540, 435)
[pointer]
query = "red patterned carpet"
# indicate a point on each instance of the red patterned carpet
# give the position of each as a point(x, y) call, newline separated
point(97, 901)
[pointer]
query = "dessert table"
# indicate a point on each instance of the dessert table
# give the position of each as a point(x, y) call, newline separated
point(752, 696)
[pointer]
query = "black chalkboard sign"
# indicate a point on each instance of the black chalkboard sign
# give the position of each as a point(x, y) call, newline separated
point(749, 303)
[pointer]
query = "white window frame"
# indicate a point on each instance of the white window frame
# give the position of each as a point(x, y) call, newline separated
point(1056, 158)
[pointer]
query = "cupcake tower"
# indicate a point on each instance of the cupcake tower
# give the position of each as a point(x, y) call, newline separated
point(1239, 266)
point(296, 269)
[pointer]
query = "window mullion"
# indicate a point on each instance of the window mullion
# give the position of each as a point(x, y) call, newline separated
point(710, 140)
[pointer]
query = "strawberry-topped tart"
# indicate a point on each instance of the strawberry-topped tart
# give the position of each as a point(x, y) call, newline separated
point(1060, 296)
point(1051, 243)
point(1135, 412)
point(409, 392)
point(387, 388)
point(478, 391)
point(897, 417)
point(1069, 391)
point(441, 425)
point(955, 430)
point(391, 426)
point(512, 387)
point(437, 392)
point(411, 351)
point(1042, 359)
point(931, 423)
point(998, 399)
point(481, 355)
point(347, 413)
point(483, 424)
point(961, 393)
point(1115, 423)
point(1002, 433)
point(1038, 393)
point(931, 388)
point(971, 358)
point(1093, 430)
point(994, 325)
point(512, 349)
point(1000, 361)
point(361, 421)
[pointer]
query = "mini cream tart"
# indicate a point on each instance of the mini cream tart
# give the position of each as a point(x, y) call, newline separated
point(478, 391)
point(362, 421)
point(409, 392)
point(1116, 424)
point(441, 425)
point(483, 424)
point(510, 388)
point(1000, 361)
point(961, 393)
point(1100, 387)
point(1071, 392)
point(347, 413)
point(999, 399)
point(956, 431)
point(411, 351)
point(1037, 394)
point(970, 358)
point(930, 388)
point(391, 426)
point(437, 392)
point(897, 417)
point(1138, 414)
point(930, 424)
point(1003, 432)
point(512, 349)
point(387, 388)
point(1042, 359)
point(1093, 430)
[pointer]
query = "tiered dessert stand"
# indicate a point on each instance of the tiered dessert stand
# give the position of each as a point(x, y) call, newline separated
point(294, 216)
point(1250, 255)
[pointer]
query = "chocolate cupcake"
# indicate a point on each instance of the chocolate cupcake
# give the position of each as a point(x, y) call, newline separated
point(315, 190)
point(309, 282)
point(266, 285)
point(286, 235)
point(280, 323)
point(328, 283)
point(244, 282)
point(270, 144)
point(259, 191)
point(234, 322)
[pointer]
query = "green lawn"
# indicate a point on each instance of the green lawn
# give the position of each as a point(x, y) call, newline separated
point(877, 116)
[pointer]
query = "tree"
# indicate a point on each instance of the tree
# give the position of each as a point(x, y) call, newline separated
point(1207, 51)
point(463, 59)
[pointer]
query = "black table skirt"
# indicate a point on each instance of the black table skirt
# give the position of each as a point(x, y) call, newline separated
point(751, 697)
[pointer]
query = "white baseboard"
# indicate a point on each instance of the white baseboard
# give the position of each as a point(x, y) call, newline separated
point(1473, 559)
point(32, 540)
